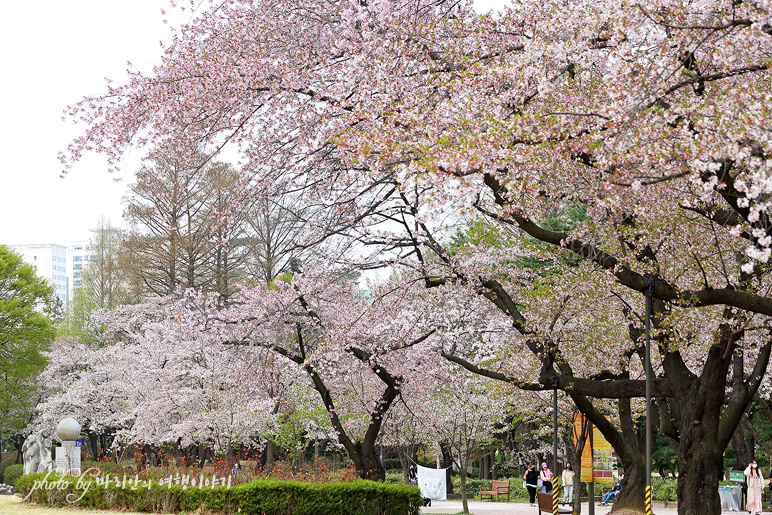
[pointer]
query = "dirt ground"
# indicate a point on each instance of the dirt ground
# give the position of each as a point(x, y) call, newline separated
point(9, 507)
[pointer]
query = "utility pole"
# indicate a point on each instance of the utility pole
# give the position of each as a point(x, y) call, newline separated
point(649, 291)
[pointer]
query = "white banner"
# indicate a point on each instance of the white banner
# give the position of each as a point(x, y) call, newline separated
point(432, 483)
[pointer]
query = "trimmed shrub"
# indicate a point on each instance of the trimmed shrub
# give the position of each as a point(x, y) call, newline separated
point(7, 461)
point(267, 497)
point(12, 473)
point(664, 489)
point(394, 478)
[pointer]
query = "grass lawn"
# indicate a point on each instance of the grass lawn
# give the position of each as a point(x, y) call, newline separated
point(8, 507)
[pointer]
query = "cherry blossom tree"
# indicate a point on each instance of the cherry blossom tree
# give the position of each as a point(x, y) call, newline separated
point(462, 414)
point(347, 346)
point(150, 385)
point(649, 115)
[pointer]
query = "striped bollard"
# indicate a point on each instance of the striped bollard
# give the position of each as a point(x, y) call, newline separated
point(647, 500)
point(555, 496)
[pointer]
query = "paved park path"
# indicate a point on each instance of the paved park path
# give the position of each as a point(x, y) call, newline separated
point(505, 508)
point(8, 507)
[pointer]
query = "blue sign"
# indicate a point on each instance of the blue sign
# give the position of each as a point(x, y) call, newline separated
point(78, 443)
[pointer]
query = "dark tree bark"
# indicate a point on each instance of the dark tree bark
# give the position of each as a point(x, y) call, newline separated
point(755, 437)
point(487, 467)
point(626, 445)
point(447, 463)
point(703, 420)
point(741, 448)
point(93, 443)
point(203, 453)
point(18, 441)
point(405, 463)
point(367, 462)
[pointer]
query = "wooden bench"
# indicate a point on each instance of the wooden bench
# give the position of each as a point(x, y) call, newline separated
point(545, 504)
point(497, 488)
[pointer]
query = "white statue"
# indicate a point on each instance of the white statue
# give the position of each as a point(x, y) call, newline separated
point(37, 453)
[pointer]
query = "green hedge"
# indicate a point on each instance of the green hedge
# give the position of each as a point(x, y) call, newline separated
point(266, 497)
point(7, 461)
point(664, 489)
point(12, 473)
point(394, 478)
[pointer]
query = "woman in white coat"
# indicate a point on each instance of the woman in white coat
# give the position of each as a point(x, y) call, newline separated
point(755, 488)
point(568, 483)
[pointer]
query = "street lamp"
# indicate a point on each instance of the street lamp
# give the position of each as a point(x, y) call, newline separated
point(647, 366)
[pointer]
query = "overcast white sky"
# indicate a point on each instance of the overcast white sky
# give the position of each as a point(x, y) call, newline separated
point(54, 53)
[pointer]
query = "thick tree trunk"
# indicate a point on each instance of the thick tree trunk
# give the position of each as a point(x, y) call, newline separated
point(485, 467)
point(631, 495)
point(626, 444)
point(696, 409)
point(704, 419)
point(362, 453)
point(699, 465)
point(367, 462)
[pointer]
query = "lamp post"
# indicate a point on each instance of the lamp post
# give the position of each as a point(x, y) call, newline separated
point(647, 366)
point(555, 422)
point(592, 479)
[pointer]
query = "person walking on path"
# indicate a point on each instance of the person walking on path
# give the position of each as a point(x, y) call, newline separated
point(531, 477)
point(546, 478)
point(568, 483)
point(755, 487)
